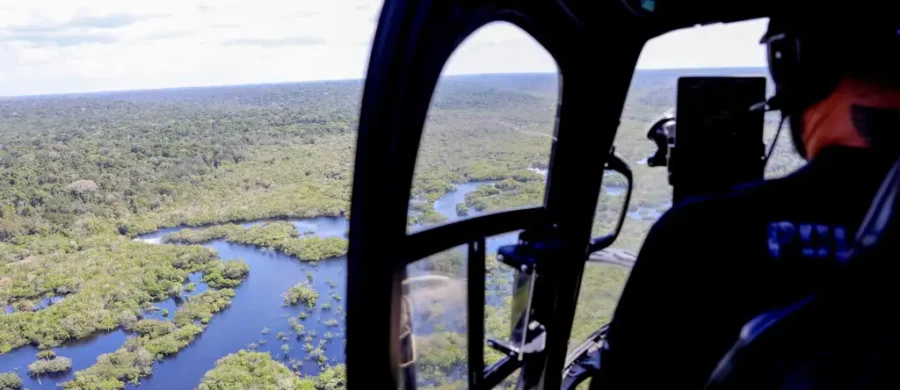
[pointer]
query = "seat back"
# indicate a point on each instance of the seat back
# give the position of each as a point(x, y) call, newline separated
point(845, 336)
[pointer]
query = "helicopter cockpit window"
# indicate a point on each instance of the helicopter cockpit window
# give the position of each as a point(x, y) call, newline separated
point(727, 50)
point(485, 148)
point(486, 142)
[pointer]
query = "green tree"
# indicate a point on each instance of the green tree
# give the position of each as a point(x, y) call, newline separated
point(10, 381)
point(244, 370)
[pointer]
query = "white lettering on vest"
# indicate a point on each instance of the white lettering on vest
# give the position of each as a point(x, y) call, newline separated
point(811, 240)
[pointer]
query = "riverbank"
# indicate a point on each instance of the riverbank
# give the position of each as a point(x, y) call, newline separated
point(307, 339)
point(258, 304)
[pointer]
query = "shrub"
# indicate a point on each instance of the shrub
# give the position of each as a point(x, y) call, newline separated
point(10, 381)
point(52, 366)
point(301, 293)
point(46, 354)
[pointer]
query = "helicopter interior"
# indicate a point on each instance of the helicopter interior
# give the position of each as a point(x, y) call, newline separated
point(413, 42)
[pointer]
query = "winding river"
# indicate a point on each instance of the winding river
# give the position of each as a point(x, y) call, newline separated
point(257, 305)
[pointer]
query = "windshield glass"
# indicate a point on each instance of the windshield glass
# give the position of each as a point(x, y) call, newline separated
point(717, 50)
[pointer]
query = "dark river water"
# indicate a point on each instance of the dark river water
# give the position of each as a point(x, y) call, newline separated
point(258, 305)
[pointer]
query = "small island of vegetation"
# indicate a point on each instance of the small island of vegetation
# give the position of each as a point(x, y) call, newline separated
point(106, 285)
point(257, 370)
point(52, 366)
point(10, 381)
point(301, 293)
point(155, 340)
point(279, 235)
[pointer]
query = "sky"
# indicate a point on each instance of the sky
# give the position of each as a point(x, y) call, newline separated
point(61, 46)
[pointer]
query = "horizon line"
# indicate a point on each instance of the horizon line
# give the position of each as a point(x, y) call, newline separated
point(264, 83)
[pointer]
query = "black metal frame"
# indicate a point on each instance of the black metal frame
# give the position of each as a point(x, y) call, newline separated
point(615, 164)
point(441, 238)
point(413, 41)
point(475, 318)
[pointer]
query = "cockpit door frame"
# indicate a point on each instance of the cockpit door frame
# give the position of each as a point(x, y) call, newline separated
point(413, 41)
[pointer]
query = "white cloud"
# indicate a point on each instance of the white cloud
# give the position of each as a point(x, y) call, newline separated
point(501, 47)
point(719, 45)
point(55, 46)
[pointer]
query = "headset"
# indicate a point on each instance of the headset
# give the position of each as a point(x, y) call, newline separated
point(800, 74)
point(808, 56)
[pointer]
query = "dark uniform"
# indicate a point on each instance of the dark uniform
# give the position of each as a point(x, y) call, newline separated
point(710, 265)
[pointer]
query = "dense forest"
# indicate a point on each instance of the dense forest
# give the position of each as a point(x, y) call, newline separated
point(85, 174)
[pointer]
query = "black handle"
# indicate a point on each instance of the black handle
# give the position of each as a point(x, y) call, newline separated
point(616, 164)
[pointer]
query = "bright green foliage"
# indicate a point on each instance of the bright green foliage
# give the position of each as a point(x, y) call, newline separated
point(152, 328)
point(601, 287)
point(332, 378)
point(252, 370)
point(479, 130)
point(155, 340)
point(428, 217)
point(113, 370)
point(199, 236)
point(301, 293)
point(508, 185)
point(497, 325)
point(450, 262)
point(105, 285)
point(439, 354)
point(227, 274)
point(163, 158)
point(281, 236)
point(169, 344)
point(10, 381)
point(46, 354)
point(56, 365)
point(201, 307)
point(507, 194)
point(318, 353)
point(462, 209)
